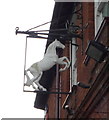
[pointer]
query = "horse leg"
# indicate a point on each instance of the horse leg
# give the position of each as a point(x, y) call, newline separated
point(36, 80)
point(62, 62)
point(38, 84)
point(37, 76)
point(63, 69)
point(40, 87)
point(28, 82)
point(68, 62)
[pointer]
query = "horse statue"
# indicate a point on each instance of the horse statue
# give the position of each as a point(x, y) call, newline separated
point(49, 60)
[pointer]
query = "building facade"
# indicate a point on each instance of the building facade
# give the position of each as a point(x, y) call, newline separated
point(82, 91)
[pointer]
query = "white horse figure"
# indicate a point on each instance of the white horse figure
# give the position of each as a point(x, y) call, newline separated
point(49, 60)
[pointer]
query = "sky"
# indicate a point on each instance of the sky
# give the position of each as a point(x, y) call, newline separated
point(25, 14)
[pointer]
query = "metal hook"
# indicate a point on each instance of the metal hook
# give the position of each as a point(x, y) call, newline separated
point(17, 28)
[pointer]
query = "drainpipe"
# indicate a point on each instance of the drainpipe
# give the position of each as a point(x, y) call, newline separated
point(57, 95)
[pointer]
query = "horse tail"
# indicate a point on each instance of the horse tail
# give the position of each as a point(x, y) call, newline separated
point(28, 69)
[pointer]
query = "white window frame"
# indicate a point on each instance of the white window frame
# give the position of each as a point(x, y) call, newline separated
point(99, 7)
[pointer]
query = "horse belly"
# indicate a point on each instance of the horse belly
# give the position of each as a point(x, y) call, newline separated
point(46, 64)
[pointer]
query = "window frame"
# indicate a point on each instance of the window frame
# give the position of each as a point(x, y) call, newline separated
point(101, 11)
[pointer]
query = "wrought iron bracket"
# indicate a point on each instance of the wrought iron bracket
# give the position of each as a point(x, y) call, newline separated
point(66, 33)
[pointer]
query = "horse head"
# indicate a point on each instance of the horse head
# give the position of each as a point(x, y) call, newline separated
point(59, 44)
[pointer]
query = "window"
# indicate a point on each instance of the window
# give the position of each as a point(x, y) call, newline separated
point(101, 11)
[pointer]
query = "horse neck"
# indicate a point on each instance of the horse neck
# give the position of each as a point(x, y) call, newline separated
point(51, 49)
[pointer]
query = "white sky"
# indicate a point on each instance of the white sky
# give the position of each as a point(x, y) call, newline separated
point(24, 14)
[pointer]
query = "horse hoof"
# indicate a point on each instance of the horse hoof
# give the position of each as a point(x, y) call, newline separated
point(42, 89)
point(60, 70)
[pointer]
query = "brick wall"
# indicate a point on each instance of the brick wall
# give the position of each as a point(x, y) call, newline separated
point(94, 74)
